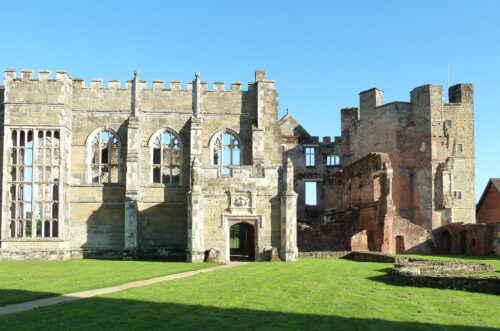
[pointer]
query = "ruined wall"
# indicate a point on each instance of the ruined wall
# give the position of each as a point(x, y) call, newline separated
point(422, 139)
point(295, 141)
point(473, 239)
point(363, 212)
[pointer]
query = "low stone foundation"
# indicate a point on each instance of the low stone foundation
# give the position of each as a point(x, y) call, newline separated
point(40, 254)
point(427, 267)
point(445, 274)
point(64, 254)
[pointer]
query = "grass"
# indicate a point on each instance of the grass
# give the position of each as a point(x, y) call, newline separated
point(310, 294)
point(25, 281)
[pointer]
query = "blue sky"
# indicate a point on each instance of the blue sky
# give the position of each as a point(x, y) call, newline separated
point(321, 53)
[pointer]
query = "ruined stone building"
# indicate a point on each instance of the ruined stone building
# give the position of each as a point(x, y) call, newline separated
point(399, 175)
point(128, 171)
point(131, 171)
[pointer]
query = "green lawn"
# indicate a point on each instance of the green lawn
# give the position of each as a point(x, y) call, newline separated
point(308, 295)
point(25, 281)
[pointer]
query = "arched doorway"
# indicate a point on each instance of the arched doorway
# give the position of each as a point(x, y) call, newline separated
point(445, 242)
point(400, 245)
point(242, 242)
point(463, 242)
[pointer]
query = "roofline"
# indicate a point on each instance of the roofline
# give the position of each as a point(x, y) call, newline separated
point(480, 202)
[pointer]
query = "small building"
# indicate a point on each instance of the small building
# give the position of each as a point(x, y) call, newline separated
point(488, 207)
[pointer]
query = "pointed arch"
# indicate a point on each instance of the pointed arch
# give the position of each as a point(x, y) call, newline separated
point(166, 149)
point(226, 150)
point(104, 156)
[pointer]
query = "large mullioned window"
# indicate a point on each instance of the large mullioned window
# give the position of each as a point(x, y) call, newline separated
point(34, 163)
point(167, 158)
point(226, 151)
point(105, 158)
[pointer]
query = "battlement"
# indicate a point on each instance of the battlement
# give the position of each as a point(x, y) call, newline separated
point(348, 117)
point(28, 75)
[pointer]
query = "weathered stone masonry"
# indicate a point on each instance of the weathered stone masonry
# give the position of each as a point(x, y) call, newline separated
point(137, 171)
point(428, 148)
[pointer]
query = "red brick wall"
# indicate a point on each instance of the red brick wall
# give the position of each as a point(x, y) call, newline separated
point(489, 211)
point(473, 239)
point(364, 214)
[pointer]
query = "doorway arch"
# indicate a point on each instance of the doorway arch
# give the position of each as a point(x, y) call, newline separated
point(446, 242)
point(242, 237)
point(400, 245)
point(463, 242)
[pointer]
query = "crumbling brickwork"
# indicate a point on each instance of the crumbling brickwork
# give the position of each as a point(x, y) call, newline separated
point(431, 146)
point(360, 199)
point(129, 171)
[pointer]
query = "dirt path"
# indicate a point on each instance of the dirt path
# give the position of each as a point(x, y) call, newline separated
point(24, 306)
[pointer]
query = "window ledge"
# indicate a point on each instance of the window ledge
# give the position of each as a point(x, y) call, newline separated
point(49, 239)
point(159, 185)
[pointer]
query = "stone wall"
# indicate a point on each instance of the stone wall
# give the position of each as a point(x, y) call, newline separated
point(132, 215)
point(473, 239)
point(360, 197)
point(430, 145)
point(446, 274)
point(295, 141)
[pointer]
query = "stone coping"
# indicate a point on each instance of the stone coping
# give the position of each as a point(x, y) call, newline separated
point(446, 275)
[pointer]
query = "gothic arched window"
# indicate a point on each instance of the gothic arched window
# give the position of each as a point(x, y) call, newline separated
point(105, 157)
point(226, 151)
point(167, 158)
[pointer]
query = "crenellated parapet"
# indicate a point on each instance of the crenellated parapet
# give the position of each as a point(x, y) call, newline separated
point(115, 95)
point(28, 75)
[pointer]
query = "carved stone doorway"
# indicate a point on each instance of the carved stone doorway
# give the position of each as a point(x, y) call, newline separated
point(242, 241)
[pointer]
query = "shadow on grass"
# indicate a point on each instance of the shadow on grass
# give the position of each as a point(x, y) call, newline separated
point(107, 313)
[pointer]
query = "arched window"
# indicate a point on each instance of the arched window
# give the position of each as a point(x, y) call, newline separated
point(167, 158)
point(226, 151)
point(105, 157)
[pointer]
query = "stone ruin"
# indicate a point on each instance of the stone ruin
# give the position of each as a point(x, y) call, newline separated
point(136, 170)
point(471, 276)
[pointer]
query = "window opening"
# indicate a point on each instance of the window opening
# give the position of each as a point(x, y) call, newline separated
point(311, 195)
point(167, 156)
point(33, 182)
point(332, 160)
point(105, 158)
point(457, 195)
point(227, 152)
point(459, 148)
point(310, 162)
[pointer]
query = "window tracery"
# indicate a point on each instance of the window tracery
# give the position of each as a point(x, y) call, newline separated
point(167, 158)
point(226, 151)
point(105, 158)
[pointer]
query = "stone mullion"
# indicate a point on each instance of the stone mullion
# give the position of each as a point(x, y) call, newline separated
point(132, 180)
